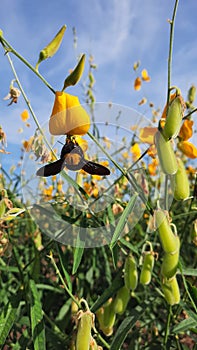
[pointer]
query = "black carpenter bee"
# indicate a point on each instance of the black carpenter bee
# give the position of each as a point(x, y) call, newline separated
point(72, 157)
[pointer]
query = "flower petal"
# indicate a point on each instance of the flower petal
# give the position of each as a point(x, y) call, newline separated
point(25, 115)
point(137, 84)
point(147, 134)
point(186, 130)
point(188, 149)
point(145, 75)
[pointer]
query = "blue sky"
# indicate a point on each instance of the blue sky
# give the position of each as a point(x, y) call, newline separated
point(117, 33)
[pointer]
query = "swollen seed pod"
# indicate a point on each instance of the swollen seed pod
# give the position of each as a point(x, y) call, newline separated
point(147, 267)
point(84, 330)
point(166, 154)
point(171, 291)
point(174, 118)
point(121, 300)
point(100, 316)
point(180, 182)
point(170, 263)
point(109, 315)
point(167, 237)
point(130, 273)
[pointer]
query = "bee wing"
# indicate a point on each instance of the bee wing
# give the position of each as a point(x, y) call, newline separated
point(51, 168)
point(95, 168)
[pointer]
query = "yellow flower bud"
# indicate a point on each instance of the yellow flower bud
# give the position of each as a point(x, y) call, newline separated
point(180, 182)
point(68, 116)
point(167, 237)
point(76, 74)
point(192, 94)
point(130, 273)
point(171, 290)
point(166, 154)
point(52, 47)
point(174, 117)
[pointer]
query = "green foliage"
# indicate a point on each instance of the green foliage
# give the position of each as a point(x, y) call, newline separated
point(43, 283)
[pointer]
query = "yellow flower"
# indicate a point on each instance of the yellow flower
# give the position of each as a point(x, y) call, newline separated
point(152, 167)
point(136, 152)
point(137, 84)
point(188, 149)
point(68, 116)
point(186, 130)
point(145, 75)
point(48, 191)
point(25, 115)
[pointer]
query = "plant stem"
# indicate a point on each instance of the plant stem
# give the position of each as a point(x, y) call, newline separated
point(62, 280)
point(9, 48)
point(170, 48)
point(167, 326)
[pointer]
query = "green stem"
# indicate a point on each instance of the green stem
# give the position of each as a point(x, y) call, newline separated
point(28, 104)
point(167, 326)
point(62, 280)
point(171, 48)
point(9, 48)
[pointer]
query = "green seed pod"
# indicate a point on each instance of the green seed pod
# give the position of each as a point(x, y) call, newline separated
point(171, 291)
point(2, 207)
point(121, 300)
point(174, 118)
point(147, 267)
point(76, 74)
point(180, 182)
point(130, 273)
point(194, 232)
point(166, 154)
point(109, 315)
point(170, 262)
point(100, 316)
point(84, 331)
point(167, 237)
point(192, 94)
point(52, 47)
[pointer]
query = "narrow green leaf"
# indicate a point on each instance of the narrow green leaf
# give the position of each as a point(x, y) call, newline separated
point(184, 325)
point(123, 219)
point(66, 274)
point(7, 317)
point(78, 254)
point(126, 326)
point(36, 314)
